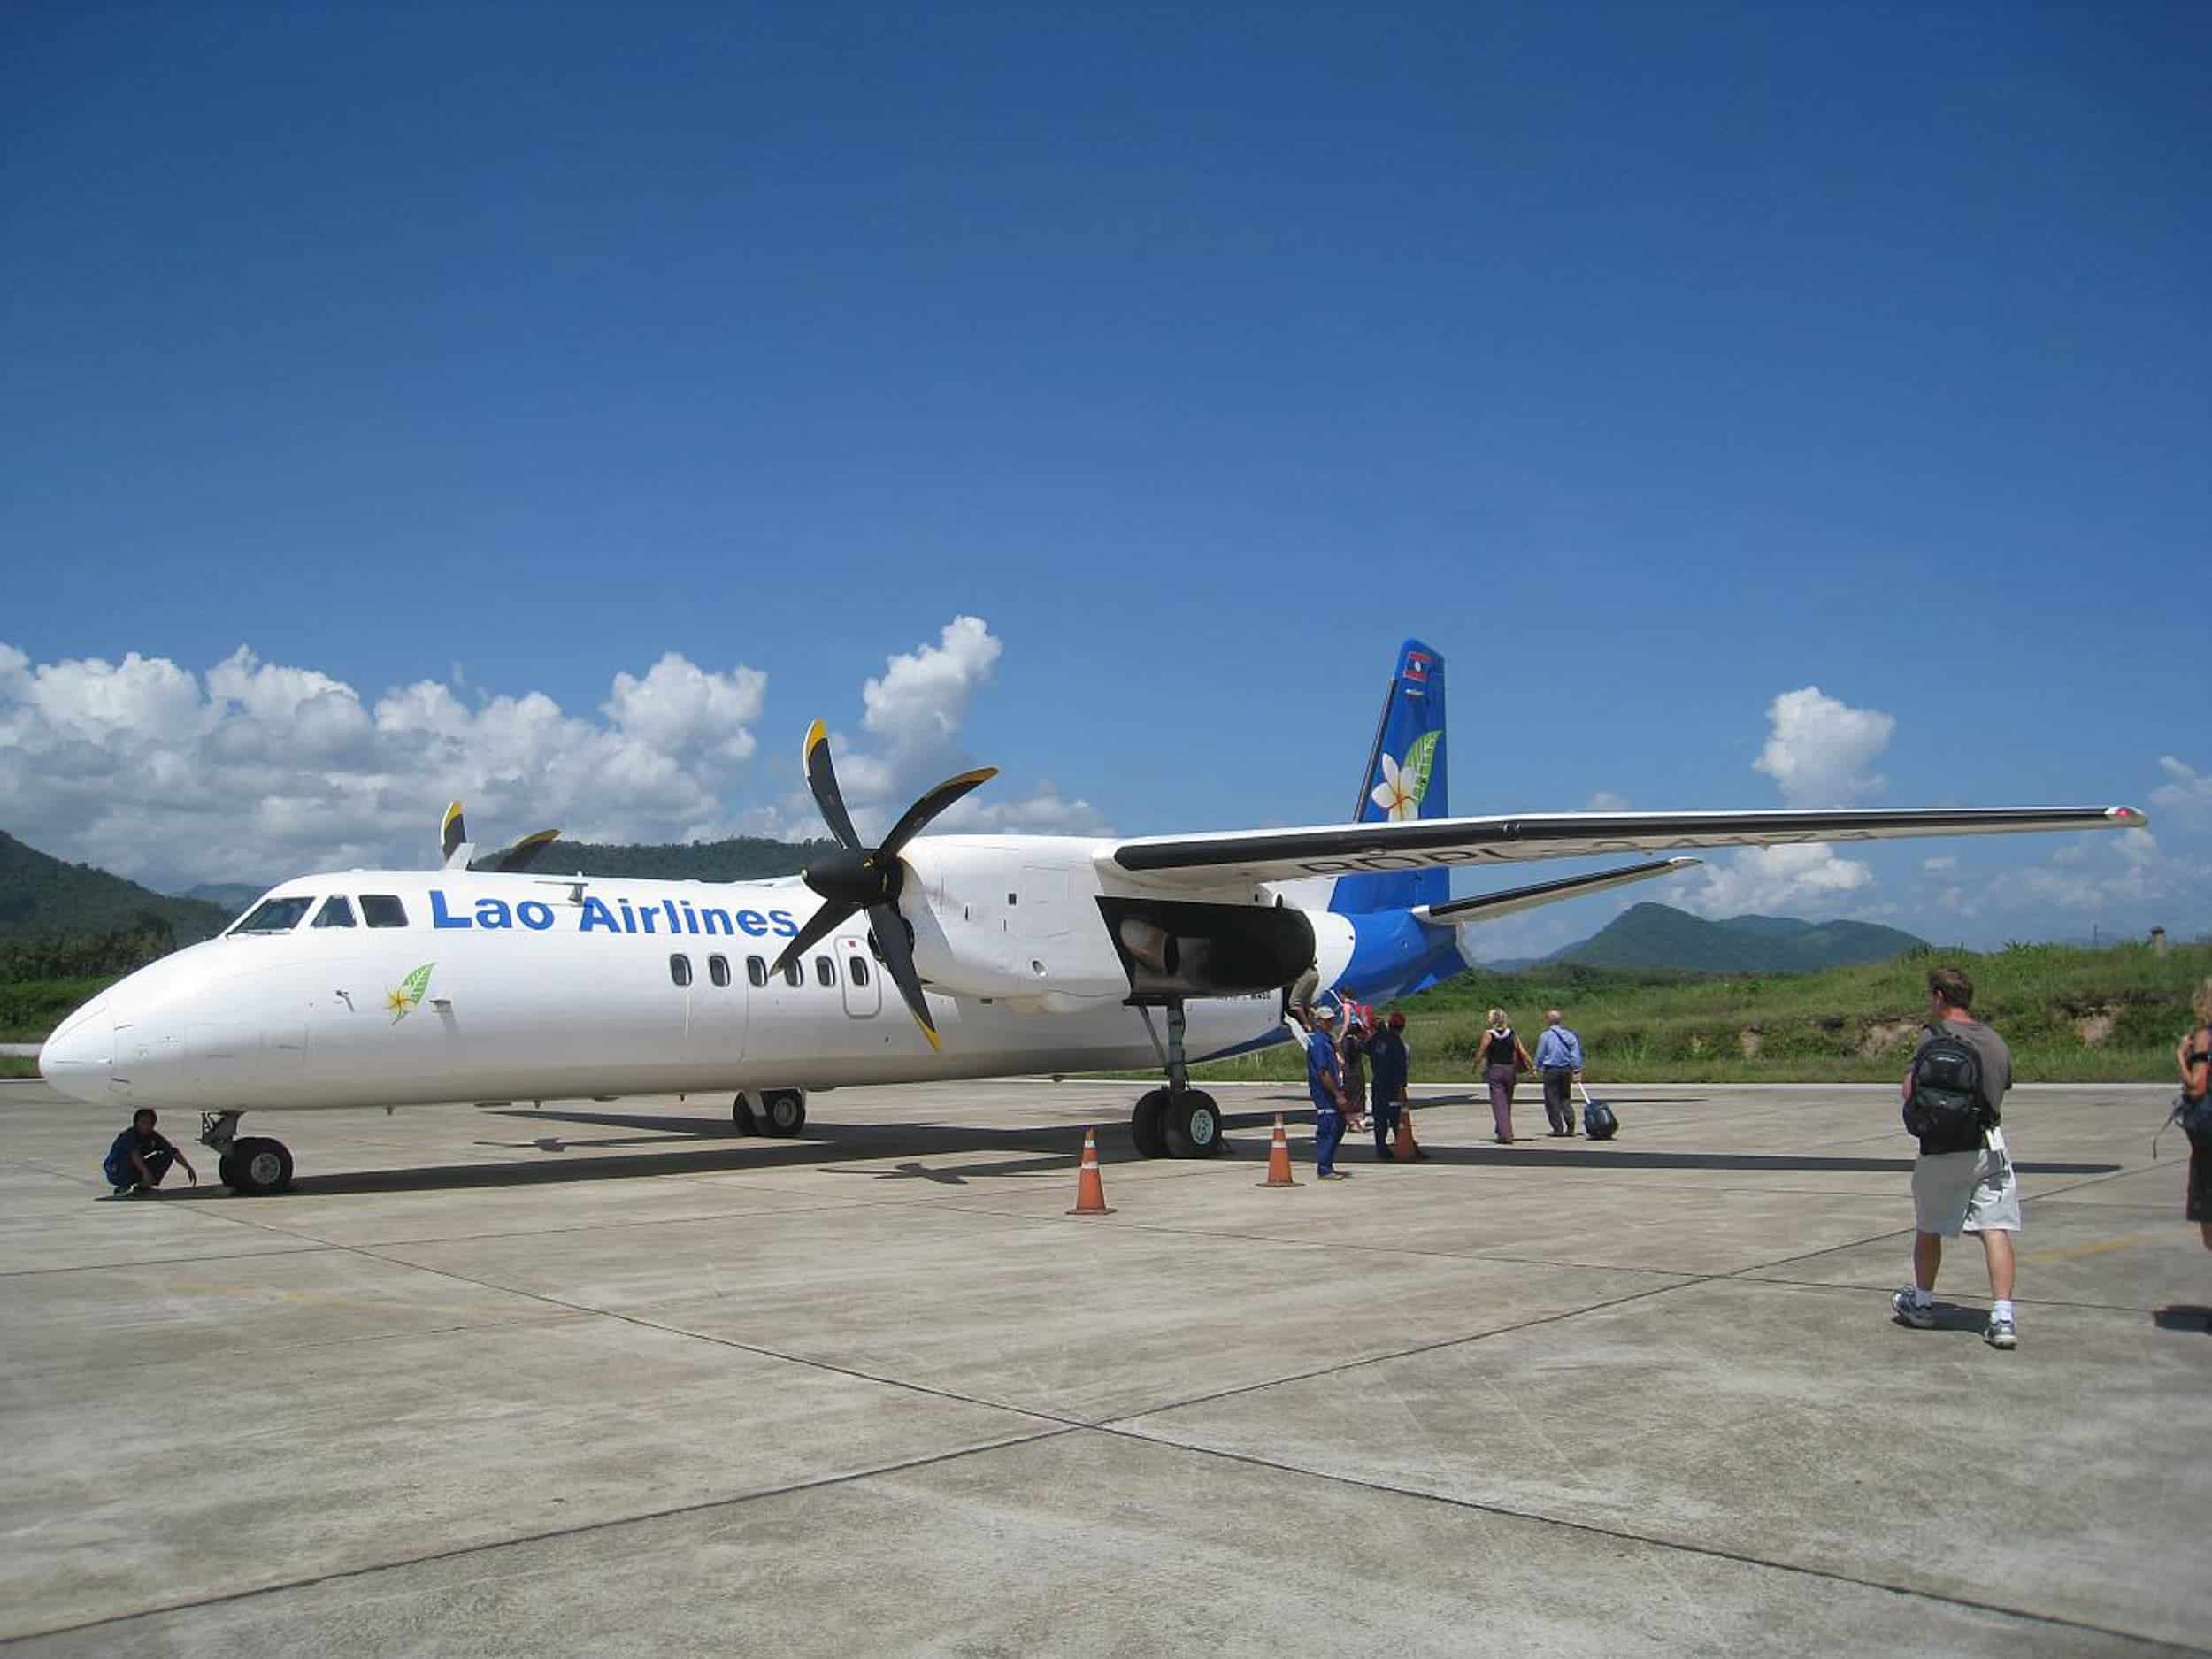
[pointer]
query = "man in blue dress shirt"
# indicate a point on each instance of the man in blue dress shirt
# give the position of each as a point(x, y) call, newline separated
point(1559, 1057)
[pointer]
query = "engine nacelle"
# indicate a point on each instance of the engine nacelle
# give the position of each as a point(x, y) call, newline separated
point(1023, 920)
point(1011, 918)
point(1172, 949)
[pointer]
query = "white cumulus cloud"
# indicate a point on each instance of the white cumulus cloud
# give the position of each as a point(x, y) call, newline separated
point(2187, 793)
point(1818, 750)
point(255, 770)
point(682, 709)
point(911, 718)
point(1767, 880)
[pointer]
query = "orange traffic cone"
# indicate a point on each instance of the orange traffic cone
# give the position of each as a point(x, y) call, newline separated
point(1090, 1191)
point(1406, 1149)
point(1279, 1159)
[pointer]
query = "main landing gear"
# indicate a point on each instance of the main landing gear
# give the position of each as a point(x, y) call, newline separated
point(1177, 1121)
point(253, 1166)
point(775, 1111)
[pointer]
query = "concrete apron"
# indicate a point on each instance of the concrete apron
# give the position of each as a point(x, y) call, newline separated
point(489, 1383)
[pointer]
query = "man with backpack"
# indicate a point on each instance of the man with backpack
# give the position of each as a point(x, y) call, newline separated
point(1962, 1181)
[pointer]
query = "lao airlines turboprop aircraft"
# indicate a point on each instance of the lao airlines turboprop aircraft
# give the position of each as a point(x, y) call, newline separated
point(1009, 955)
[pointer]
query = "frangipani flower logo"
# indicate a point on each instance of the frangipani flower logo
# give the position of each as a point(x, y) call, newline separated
point(1400, 791)
point(403, 997)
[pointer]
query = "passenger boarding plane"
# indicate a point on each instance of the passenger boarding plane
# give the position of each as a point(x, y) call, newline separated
point(481, 981)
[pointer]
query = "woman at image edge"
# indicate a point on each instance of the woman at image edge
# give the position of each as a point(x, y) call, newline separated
point(2194, 1056)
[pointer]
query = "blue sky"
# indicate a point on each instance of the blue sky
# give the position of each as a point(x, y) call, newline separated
point(1652, 363)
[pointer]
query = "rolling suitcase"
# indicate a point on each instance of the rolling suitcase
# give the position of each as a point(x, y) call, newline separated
point(1598, 1121)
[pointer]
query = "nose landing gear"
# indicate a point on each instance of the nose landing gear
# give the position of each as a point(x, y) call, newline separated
point(253, 1166)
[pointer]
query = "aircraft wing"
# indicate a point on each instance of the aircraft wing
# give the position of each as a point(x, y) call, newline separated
point(1338, 849)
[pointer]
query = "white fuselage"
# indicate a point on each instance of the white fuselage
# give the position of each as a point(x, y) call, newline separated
point(539, 988)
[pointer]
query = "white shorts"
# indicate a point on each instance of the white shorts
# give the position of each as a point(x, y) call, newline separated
point(1966, 1192)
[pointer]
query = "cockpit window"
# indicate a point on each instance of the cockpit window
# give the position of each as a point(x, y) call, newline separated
point(381, 910)
point(276, 916)
point(337, 911)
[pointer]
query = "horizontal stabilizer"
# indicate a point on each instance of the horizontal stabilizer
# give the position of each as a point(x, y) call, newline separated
point(1505, 904)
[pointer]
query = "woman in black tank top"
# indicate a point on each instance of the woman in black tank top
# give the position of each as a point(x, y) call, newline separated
point(1503, 1060)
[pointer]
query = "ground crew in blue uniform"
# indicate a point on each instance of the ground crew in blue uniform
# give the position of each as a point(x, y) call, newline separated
point(142, 1155)
point(1324, 1081)
point(1389, 1060)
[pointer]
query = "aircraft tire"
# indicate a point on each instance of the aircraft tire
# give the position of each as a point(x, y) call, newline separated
point(1191, 1124)
point(1144, 1125)
point(784, 1109)
point(742, 1115)
point(226, 1168)
point(258, 1167)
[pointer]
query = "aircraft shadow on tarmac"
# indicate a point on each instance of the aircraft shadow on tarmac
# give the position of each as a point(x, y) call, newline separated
point(1054, 1148)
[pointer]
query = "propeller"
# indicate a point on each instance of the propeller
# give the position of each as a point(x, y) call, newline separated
point(858, 878)
point(458, 851)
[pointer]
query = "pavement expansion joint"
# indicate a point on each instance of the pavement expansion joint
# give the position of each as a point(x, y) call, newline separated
point(1881, 1290)
point(1366, 1359)
point(580, 1228)
point(642, 1322)
point(607, 1523)
point(1661, 1541)
point(308, 1247)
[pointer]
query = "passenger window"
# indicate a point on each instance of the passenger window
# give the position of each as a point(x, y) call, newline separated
point(381, 910)
point(275, 916)
point(718, 969)
point(336, 912)
point(679, 969)
point(755, 971)
point(858, 969)
point(793, 973)
point(824, 971)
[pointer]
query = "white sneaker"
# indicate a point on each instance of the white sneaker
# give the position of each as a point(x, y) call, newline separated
point(1919, 1315)
point(1999, 1333)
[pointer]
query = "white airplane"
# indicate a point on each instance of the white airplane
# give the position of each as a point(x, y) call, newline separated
point(1005, 955)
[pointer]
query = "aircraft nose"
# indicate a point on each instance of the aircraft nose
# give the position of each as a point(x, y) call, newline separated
point(79, 1057)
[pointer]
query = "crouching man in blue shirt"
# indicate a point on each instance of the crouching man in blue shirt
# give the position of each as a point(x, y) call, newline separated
point(142, 1155)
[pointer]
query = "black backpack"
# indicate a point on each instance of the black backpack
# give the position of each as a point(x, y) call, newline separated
point(1947, 1108)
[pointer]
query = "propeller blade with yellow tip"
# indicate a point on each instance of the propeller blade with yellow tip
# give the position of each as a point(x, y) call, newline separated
point(860, 877)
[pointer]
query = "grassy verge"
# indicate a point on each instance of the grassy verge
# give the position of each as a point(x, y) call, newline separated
point(30, 1009)
point(2071, 1015)
point(11, 1066)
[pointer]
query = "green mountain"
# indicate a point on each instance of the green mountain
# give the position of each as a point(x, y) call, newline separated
point(43, 897)
point(1660, 936)
point(740, 858)
point(229, 895)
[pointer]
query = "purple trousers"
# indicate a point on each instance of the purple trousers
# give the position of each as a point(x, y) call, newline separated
point(1500, 1081)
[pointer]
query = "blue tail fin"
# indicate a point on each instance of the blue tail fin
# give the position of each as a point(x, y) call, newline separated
point(1404, 779)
